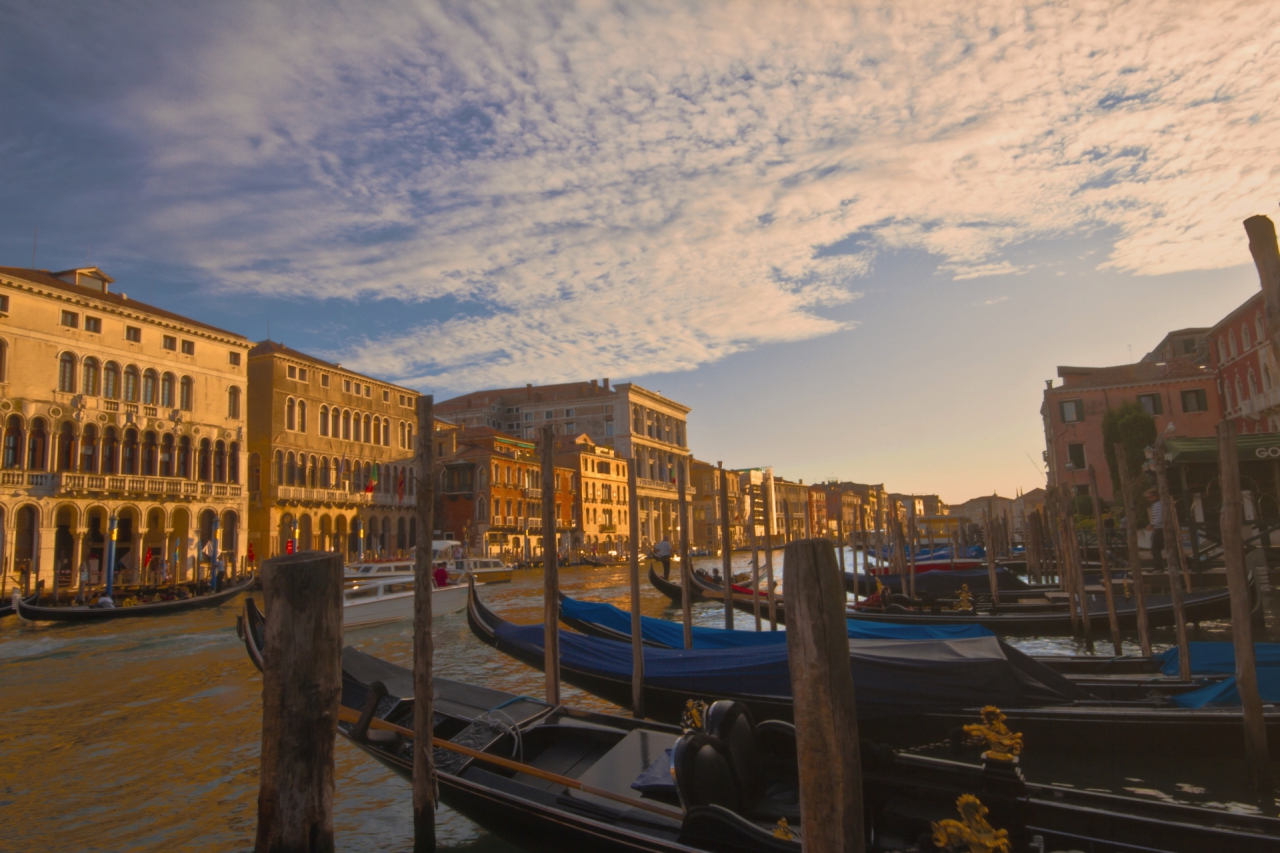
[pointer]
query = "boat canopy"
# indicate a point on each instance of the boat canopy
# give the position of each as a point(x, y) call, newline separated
point(1250, 448)
point(1217, 658)
point(1223, 694)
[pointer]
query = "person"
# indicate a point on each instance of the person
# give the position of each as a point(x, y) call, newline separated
point(663, 553)
point(1155, 515)
point(440, 575)
point(104, 602)
point(84, 581)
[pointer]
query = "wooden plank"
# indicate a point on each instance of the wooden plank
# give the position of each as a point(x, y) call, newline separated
point(424, 781)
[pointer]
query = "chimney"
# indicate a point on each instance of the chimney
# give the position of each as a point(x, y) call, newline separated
point(606, 383)
point(528, 391)
point(593, 383)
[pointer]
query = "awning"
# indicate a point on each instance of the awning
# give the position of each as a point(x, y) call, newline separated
point(1251, 448)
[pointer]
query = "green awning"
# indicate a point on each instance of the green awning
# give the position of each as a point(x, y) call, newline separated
point(1252, 448)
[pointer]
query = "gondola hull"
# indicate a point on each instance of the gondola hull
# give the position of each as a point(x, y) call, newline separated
point(32, 612)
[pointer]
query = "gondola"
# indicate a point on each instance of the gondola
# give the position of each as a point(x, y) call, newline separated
point(32, 612)
point(7, 608)
point(735, 807)
point(903, 701)
point(943, 584)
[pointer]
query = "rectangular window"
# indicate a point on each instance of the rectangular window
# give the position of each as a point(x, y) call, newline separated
point(133, 333)
point(293, 371)
point(528, 416)
point(234, 358)
point(549, 415)
point(302, 374)
point(324, 380)
point(1195, 401)
point(346, 385)
point(1072, 411)
point(1152, 404)
point(169, 342)
point(402, 399)
point(1075, 456)
point(608, 429)
point(1189, 346)
point(188, 347)
point(569, 428)
point(386, 396)
point(4, 305)
point(93, 324)
point(568, 413)
point(71, 319)
point(368, 392)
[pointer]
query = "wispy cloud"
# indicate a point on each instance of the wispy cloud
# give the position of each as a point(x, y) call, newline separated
point(646, 188)
point(993, 301)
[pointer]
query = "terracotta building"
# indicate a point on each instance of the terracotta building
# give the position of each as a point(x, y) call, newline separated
point(841, 505)
point(1178, 392)
point(600, 517)
point(330, 457)
point(1242, 356)
point(115, 409)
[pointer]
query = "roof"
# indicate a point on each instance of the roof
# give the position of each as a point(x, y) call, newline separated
point(461, 402)
point(44, 278)
point(262, 348)
point(1141, 373)
point(1252, 303)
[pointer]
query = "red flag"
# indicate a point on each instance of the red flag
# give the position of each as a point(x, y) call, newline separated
point(250, 556)
point(400, 487)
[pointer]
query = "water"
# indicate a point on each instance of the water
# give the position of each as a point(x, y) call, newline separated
point(143, 735)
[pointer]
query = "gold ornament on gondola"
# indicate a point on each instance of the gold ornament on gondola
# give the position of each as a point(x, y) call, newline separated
point(964, 599)
point(694, 712)
point(1002, 744)
point(972, 833)
point(783, 831)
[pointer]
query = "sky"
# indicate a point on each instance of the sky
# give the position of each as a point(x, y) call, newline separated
point(855, 238)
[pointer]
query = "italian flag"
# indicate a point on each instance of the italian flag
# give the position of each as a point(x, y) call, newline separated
point(373, 479)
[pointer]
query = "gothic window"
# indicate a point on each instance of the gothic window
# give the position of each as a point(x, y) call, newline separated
point(92, 373)
point(233, 462)
point(324, 420)
point(89, 450)
point(185, 394)
point(166, 390)
point(166, 455)
point(67, 373)
point(131, 384)
point(129, 453)
point(111, 381)
point(233, 403)
point(302, 416)
point(290, 414)
point(110, 451)
point(150, 391)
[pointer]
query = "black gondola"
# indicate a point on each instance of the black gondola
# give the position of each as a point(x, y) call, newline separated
point(1076, 724)
point(7, 609)
point(903, 794)
point(32, 612)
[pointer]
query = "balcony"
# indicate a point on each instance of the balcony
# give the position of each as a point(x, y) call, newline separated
point(535, 523)
point(69, 484)
point(322, 496)
point(535, 494)
point(645, 483)
point(608, 528)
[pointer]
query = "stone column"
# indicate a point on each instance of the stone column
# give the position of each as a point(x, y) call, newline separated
point(46, 537)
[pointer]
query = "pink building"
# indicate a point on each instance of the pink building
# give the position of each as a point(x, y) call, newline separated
point(1176, 391)
point(1247, 380)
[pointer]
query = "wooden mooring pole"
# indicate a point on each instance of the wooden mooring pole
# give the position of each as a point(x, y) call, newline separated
point(1135, 555)
point(1171, 551)
point(1076, 558)
point(1112, 621)
point(550, 571)
point(686, 564)
point(755, 557)
point(726, 547)
point(826, 719)
point(1255, 729)
point(768, 550)
point(991, 558)
point(424, 782)
point(637, 638)
point(301, 694)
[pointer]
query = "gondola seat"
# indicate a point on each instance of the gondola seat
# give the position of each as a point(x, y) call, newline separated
point(704, 776)
point(732, 723)
point(392, 741)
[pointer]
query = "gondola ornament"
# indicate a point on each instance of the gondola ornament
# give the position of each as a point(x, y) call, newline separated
point(972, 833)
point(785, 832)
point(695, 712)
point(964, 599)
point(1002, 744)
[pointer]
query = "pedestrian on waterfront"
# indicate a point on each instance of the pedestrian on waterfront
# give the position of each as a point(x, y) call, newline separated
point(1155, 524)
point(663, 553)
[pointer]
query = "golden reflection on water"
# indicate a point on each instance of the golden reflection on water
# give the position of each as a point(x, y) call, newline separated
point(143, 735)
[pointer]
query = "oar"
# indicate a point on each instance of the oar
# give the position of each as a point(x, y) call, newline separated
point(350, 715)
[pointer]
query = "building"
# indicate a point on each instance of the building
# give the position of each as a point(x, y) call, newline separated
point(330, 457)
point(1178, 392)
point(115, 410)
point(790, 509)
point(707, 530)
point(907, 507)
point(600, 518)
point(872, 502)
point(1242, 357)
point(1191, 344)
point(842, 509)
point(639, 424)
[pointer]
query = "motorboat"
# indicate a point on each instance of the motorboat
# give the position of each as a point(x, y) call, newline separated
point(379, 599)
point(483, 569)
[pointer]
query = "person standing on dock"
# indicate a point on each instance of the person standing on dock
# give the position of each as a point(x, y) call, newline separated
point(1155, 512)
point(663, 552)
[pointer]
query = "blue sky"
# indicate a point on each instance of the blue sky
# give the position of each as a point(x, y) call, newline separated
point(855, 238)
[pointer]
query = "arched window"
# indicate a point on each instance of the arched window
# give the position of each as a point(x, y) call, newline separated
point(335, 425)
point(497, 509)
point(355, 427)
point(324, 421)
point(312, 473)
point(1231, 341)
point(279, 466)
point(37, 446)
point(184, 457)
point(386, 432)
point(302, 416)
point(233, 462)
point(4, 358)
point(368, 436)
point(92, 377)
point(110, 451)
point(66, 456)
point(220, 461)
point(89, 450)
point(67, 373)
point(290, 414)
point(166, 391)
point(408, 436)
point(255, 471)
point(346, 425)
point(150, 450)
point(401, 535)
point(1260, 328)
point(365, 473)
point(131, 384)
point(1253, 383)
point(324, 472)
point(204, 462)
point(13, 442)
point(290, 469)
point(402, 444)
point(185, 394)
point(1239, 391)
point(233, 403)
point(166, 455)
point(111, 381)
point(150, 388)
point(129, 453)
point(1244, 336)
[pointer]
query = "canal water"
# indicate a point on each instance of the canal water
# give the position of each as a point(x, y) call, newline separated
point(143, 735)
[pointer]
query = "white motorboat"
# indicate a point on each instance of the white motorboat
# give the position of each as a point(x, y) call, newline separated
point(378, 599)
point(483, 569)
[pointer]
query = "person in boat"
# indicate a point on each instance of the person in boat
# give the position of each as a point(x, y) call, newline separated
point(663, 552)
point(104, 602)
point(1155, 524)
point(715, 576)
point(440, 576)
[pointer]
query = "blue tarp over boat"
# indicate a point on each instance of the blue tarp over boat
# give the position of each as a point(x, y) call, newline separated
point(671, 634)
point(1224, 693)
point(1217, 658)
point(944, 583)
point(891, 677)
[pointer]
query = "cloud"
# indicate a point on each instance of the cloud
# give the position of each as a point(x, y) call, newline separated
point(993, 301)
point(648, 187)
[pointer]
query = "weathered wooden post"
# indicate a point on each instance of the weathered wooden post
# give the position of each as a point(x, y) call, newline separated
point(991, 559)
point(301, 692)
point(726, 549)
point(424, 782)
point(826, 716)
point(686, 564)
point(1067, 571)
point(912, 545)
point(550, 570)
point(840, 538)
point(1112, 621)
point(637, 638)
point(768, 550)
point(1255, 729)
point(1135, 554)
point(755, 557)
point(1077, 564)
point(1171, 550)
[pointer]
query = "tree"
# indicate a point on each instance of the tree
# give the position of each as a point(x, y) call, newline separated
point(1129, 425)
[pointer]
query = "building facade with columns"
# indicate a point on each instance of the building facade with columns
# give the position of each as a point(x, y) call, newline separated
point(115, 410)
point(330, 465)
